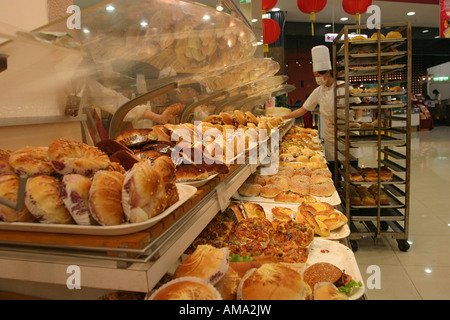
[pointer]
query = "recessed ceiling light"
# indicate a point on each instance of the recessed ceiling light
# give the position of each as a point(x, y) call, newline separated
point(275, 9)
point(425, 31)
point(428, 270)
point(344, 19)
point(254, 20)
point(327, 25)
point(411, 13)
point(144, 24)
point(110, 8)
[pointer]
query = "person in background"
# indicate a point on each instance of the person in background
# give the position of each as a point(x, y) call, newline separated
point(323, 96)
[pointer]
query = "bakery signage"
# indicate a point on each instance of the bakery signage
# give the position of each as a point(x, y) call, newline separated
point(444, 6)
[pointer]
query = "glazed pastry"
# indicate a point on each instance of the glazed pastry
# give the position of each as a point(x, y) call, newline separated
point(9, 187)
point(31, 161)
point(69, 156)
point(43, 200)
point(105, 198)
point(5, 167)
point(75, 195)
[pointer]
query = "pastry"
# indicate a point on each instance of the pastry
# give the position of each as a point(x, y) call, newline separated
point(105, 198)
point(300, 186)
point(270, 191)
point(281, 181)
point(251, 118)
point(31, 161)
point(69, 156)
point(190, 172)
point(323, 188)
point(43, 200)
point(137, 137)
point(75, 195)
point(289, 196)
point(240, 117)
point(253, 210)
point(356, 177)
point(186, 288)
point(250, 190)
point(9, 187)
point(394, 35)
point(125, 159)
point(166, 169)
point(283, 214)
point(5, 167)
point(367, 198)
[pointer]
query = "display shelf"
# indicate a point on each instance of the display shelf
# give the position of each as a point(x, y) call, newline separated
point(376, 59)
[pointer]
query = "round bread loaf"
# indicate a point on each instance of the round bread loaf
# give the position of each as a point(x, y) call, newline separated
point(206, 262)
point(143, 194)
point(75, 195)
point(43, 200)
point(31, 161)
point(9, 187)
point(105, 198)
point(69, 156)
point(272, 281)
point(270, 190)
point(250, 189)
point(186, 288)
point(5, 167)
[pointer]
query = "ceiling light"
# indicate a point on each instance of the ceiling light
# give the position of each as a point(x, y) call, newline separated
point(254, 20)
point(428, 270)
point(110, 8)
point(219, 7)
point(344, 19)
point(425, 31)
point(144, 24)
point(411, 13)
point(206, 17)
point(328, 26)
point(275, 9)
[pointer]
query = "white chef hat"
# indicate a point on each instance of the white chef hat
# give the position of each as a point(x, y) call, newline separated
point(321, 58)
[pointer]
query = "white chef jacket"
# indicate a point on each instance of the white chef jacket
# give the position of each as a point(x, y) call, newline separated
point(324, 97)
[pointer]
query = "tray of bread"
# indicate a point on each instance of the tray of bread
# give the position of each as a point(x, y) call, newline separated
point(328, 223)
point(208, 272)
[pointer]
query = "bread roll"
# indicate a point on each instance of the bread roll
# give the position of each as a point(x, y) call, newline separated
point(281, 181)
point(166, 169)
point(321, 272)
point(272, 281)
point(250, 190)
point(394, 35)
point(69, 156)
point(186, 288)
point(327, 291)
point(31, 161)
point(190, 172)
point(105, 198)
point(228, 285)
point(270, 191)
point(9, 187)
point(143, 193)
point(75, 195)
point(43, 200)
point(207, 262)
point(240, 117)
point(5, 167)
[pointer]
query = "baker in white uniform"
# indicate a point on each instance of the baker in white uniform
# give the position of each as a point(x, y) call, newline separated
point(323, 96)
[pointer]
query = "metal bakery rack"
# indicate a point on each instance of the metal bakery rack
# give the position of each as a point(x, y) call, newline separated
point(383, 64)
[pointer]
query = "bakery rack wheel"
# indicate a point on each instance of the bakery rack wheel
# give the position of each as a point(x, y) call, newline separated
point(403, 245)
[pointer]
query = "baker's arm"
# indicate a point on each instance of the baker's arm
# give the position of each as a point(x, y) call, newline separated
point(295, 114)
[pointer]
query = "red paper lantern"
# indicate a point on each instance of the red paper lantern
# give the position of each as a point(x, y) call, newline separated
point(356, 7)
point(271, 31)
point(268, 4)
point(311, 7)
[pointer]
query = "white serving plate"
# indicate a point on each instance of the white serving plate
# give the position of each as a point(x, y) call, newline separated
point(337, 234)
point(334, 200)
point(185, 193)
point(341, 256)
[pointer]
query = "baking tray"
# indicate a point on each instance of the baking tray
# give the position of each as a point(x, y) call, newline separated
point(372, 141)
point(338, 234)
point(185, 193)
point(322, 250)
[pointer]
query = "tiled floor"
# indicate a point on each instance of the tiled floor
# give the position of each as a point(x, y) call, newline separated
point(423, 272)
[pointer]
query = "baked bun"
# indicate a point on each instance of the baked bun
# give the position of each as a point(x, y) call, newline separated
point(143, 194)
point(43, 200)
point(251, 118)
point(358, 38)
point(110, 147)
point(31, 161)
point(281, 181)
point(105, 198)
point(394, 35)
point(250, 190)
point(9, 187)
point(272, 281)
point(206, 262)
point(375, 36)
point(75, 195)
point(321, 272)
point(227, 119)
point(327, 291)
point(125, 159)
point(5, 167)
point(228, 285)
point(186, 288)
point(270, 191)
point(240, 117)
point(191, 172)
point(300, 186)
point(322, 187)
point(69, 156)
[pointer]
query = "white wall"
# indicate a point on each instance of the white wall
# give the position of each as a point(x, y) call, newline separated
point(442, 70)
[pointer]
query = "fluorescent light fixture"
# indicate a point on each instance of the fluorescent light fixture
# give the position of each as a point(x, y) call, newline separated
point(411, 13)
point(344, 19)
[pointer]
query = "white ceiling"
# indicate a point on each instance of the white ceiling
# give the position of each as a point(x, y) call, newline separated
point(391, 12)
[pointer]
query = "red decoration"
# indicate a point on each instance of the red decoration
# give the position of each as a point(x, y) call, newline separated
point(268, 4)
point(271, 31)
point(356, 7)
point(311, 7)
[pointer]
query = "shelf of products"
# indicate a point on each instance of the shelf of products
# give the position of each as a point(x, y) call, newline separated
point(375, 199)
